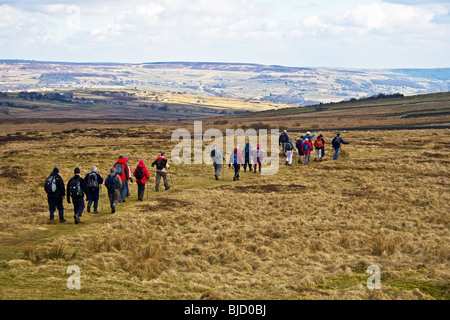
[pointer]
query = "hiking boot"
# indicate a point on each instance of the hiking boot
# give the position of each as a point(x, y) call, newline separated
point(88, 208)
point(168, 188)
point(95, 211)
point(77, 219)
point(62, 220)
point(234, 178)
point(123, 200)
point(113, 210)
point(215, 176)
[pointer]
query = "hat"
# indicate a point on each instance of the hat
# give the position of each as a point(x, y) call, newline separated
point(163, 153)
point(141, 161)
point(76, 171)
point(308, 133)
point(337, 133)
point(301, 137)
point(284, 131)
point(55, 170)
point(94, 168)
point(126, 159)
point(257, 147)
point(120, 157)
point(320, 136)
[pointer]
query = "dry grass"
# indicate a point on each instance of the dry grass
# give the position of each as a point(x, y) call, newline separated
point(309, 232)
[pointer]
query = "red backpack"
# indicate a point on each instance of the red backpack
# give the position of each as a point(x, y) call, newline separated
point(318, 144)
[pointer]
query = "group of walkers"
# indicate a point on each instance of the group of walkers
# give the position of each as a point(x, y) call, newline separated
point(304, 145)
point(116, 183)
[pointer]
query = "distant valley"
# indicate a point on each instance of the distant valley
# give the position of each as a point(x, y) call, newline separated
point(249, 82)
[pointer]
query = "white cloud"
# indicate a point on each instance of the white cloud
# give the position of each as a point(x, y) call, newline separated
point(221, 30)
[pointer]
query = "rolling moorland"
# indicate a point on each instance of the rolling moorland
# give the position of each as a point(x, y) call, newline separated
point(308, 232)
point(272, 84)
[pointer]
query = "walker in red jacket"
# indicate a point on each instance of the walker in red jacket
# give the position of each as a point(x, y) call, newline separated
point(141, 173)
point(306, 148)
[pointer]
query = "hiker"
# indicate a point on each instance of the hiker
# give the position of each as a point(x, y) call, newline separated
point(289, 151)
point(161, 171)
point(323, 146)
point(217, 158)
point(124, 174)
point(93, 181)
point(247, 157)
point(141, 173)
point(306, 148)
point(76, 189)
point(56, 191)
point(299, 145)
point(129, 178)
point(318, 146)
point(284, 138)
point(309, 136)
point(236, 160)
point(114, 184)
point(336, 142)
point(258, 158)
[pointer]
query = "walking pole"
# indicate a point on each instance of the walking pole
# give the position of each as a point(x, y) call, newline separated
point(99, 199)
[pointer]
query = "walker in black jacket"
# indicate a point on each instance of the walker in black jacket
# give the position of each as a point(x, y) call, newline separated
point(76, 189)
point(54, 186)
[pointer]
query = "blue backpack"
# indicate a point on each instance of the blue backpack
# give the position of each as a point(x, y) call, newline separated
point(305, 146)
point(299, 143)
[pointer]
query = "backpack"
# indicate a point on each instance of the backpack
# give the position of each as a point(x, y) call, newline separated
point(305, 146)
point(159, 165)
point(235, 158)
point(111, 183)
point(288, 146)
point(213, 153)
point(318, 144)
point(75, 188)
point(299, 144)
point(140, 173)
point(119, 168)
point(50, 184)
point(335, 142)
point(92, 180)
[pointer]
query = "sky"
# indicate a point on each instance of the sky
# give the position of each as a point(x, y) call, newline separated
point(319, 33)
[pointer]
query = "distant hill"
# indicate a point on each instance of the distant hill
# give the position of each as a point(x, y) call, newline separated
point(273, 84)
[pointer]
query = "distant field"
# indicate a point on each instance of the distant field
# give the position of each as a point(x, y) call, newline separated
point(120, 105)
point(272, 84)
